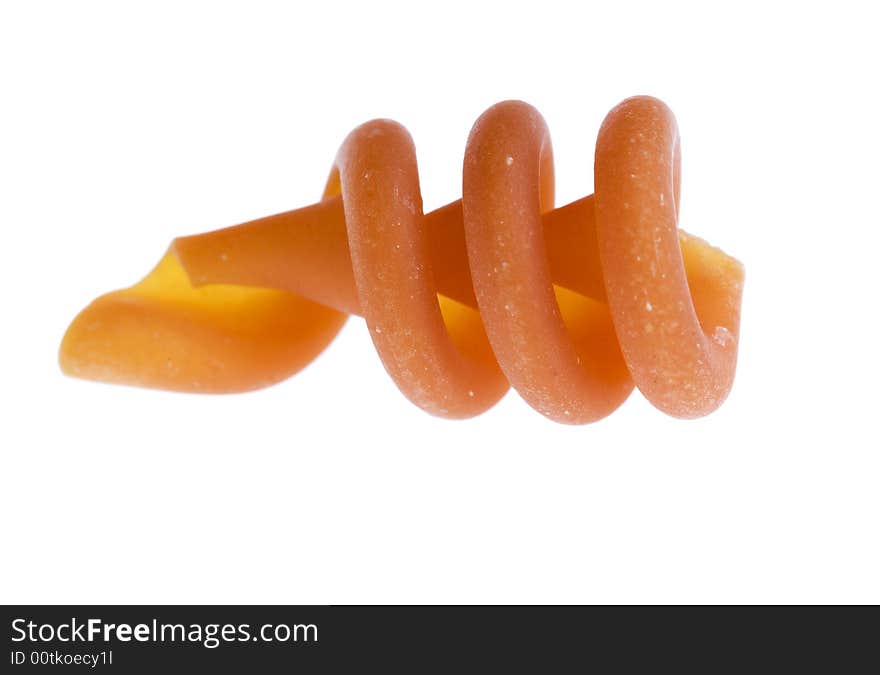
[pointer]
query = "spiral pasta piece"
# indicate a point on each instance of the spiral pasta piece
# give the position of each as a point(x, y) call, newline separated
point(571, 306)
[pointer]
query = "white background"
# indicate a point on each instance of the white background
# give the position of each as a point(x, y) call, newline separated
point(125, 125)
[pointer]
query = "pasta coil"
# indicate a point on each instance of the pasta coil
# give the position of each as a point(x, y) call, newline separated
point(569, 306)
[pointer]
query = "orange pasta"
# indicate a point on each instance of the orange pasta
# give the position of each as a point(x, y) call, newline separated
point(569, 306)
